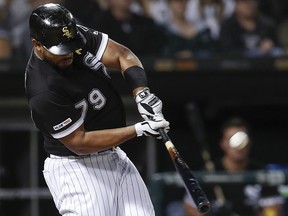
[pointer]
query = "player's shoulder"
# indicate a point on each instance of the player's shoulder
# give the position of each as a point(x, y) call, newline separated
point(47, 98)
point(90, 33)
point(96, 41)
point(42, 80)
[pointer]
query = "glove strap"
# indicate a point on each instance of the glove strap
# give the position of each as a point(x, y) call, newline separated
point(141, 95)
point(138, 129)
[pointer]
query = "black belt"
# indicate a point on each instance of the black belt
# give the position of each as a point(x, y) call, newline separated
point(75, 156)
point(110, 149)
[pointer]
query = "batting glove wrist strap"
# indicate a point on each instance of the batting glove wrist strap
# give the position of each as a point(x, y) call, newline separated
point(142, 94)
point(150, 128)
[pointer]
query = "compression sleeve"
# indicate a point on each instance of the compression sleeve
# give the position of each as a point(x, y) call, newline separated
point(135, 77)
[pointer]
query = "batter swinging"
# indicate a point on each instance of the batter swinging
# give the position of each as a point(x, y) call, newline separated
point(81, 116)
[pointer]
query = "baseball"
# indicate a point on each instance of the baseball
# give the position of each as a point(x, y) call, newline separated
point(239, 140)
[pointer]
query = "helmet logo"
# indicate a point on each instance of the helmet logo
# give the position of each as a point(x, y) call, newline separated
point(66, 32)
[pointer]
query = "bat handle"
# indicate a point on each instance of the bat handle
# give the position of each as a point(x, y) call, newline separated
point(164, 135)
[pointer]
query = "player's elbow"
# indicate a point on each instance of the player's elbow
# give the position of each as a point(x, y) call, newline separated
point(127, 56)
point(75, 142)
point(77, 148)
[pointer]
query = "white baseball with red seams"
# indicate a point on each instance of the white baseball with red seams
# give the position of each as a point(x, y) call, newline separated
point(239, 140)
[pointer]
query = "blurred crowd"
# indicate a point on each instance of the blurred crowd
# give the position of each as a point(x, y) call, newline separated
point(172, 28)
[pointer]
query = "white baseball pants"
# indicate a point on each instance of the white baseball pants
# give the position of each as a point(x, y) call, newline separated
point(101, 184)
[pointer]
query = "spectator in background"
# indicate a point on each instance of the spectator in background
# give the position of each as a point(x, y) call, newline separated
point(88, 9)
point(18, 12)
point(280, 13)
point(209, 14)
point(4, 10)
point(282, 33)
point(103, 4)
point(277, 10)
point(205, 14)
point(184, 39)
point(158, 10)
point(136, 31)
point(5, 41)
point(5, 44)
point(240, 200)
point(249, 33)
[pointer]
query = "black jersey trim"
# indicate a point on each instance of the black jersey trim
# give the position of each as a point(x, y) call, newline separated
point(69, 130)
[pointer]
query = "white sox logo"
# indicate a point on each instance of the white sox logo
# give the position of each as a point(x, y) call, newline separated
point(66, 32)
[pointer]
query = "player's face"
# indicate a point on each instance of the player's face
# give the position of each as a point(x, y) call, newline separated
point(61, 61)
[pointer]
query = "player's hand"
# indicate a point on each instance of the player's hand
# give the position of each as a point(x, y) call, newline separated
point(149, 105)
point(150, 128)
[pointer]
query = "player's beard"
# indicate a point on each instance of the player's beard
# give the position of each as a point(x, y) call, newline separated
point(62, 64)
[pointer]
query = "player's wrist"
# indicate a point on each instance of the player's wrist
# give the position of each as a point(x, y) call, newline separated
point(142, 94)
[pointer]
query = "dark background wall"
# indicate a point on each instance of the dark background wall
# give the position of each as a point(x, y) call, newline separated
point(253, 89)
point(256, 90)
point(258, 95)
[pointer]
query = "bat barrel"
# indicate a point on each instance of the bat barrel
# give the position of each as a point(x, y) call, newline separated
point(195, 191)
point(202, 203)
point(203, 207)
point(190, 182)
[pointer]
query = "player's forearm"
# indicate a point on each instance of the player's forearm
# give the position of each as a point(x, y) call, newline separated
point(87, 142)
point(128, 59)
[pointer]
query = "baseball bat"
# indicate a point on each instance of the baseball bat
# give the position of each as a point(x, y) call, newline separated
point(190, 182)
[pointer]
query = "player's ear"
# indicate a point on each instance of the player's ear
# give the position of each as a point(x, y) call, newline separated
point(36, 44)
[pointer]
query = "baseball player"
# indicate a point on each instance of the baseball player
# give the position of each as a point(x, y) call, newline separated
point(81, 116)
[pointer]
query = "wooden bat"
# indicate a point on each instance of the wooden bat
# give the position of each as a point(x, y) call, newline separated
point(190, 182)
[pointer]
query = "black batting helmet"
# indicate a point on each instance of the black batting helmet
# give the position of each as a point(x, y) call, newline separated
point(55, 28)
